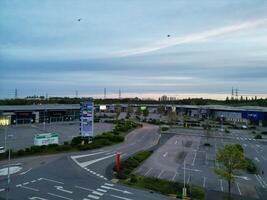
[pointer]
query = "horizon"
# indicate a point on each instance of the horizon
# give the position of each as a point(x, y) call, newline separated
point(146, 49)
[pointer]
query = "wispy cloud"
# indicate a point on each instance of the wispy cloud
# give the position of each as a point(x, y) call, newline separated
point(191, 38)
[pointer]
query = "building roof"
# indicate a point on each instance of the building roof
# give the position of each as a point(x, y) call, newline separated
point(37, 107)
point(40, 107)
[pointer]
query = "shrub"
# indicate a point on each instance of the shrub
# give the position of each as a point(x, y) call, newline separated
point(197, 193)
point(76, 140)
point(164, 128)
point(239, 147)
point(207, 144)
point(21, 152)
point(226, 131)
point(131, 163)
point(258, 136)
point(251, 167)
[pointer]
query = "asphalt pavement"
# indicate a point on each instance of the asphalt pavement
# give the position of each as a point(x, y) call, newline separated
point(185, 152)
point(23, 135)
point(80, 175)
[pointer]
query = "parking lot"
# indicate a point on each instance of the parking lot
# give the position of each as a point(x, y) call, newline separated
point(168, 161)
point(22, 135)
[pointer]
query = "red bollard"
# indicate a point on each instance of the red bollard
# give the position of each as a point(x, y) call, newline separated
point(118, 162)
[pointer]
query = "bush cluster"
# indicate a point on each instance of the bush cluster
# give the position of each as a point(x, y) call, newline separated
point(251, 167)
point(164, 128)
point(131, 163)
point(165, 187)
point(258, 136)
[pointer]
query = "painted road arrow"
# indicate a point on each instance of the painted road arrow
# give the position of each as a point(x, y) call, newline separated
point(60, 188)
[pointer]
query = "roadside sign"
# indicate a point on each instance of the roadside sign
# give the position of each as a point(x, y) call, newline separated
point(46, 139)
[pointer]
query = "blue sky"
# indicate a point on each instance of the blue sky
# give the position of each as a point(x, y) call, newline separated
point(213, 46)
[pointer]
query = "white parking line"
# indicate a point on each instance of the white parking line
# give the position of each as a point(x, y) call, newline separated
point(115, 189)
point(83, 188)
point(188, 179)
point(29, 188)
point(93, 196)
point(98, 193)
point(263, 158)
point(119, 197)
point(257, 159)
point(23, 173)
point(264, 183)
point(173, 178)
point(165, 154)
point(221, 184)
point(51, 180)
point(148, 172)
point(62, 197)
point(161, 172)
point(237, 185)
point(37, 198)
point(176, 142)
point(195, 170)
point(109, 184)
point(193, 163)
point(259, 181)
point(101, 190)
point(204, 182)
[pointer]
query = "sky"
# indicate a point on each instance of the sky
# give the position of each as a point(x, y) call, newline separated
point(213, 46)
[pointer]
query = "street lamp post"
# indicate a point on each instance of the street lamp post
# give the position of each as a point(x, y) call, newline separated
point(5, 122)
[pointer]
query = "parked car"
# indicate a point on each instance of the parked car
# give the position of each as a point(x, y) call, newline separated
point(2, 149)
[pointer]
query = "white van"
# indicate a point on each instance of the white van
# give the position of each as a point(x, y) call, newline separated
point(2, 150)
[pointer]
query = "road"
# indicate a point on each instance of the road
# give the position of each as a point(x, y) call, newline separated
point(80, 175)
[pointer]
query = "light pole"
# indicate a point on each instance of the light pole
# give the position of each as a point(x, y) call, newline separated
point(221, 122)
point(5, 122)
point(184, 188)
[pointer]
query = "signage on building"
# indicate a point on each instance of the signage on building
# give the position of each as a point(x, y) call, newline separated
point(103, 107)
point(87, 118)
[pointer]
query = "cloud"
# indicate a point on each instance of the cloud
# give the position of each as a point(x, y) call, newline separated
point(191, 38)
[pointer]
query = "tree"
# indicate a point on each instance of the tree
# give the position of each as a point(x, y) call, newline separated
point(161, 109)
point(129, 111)
point(117, 110)
point(172, 118)
point(207, 129)
point(145, 112)
point(232, 159)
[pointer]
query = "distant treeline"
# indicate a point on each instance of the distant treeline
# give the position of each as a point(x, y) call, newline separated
point(189, 101)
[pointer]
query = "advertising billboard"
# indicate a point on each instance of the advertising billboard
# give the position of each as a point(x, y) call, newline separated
point(143, 108)
point(103, 107)
point(45, 139)
point(87, 118)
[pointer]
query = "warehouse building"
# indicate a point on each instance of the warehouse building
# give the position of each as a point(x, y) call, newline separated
point(25, 114)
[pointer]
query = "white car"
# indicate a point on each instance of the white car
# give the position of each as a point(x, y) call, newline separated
point(2, 150)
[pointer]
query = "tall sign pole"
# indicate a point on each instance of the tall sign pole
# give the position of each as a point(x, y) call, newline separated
point(87, 118)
